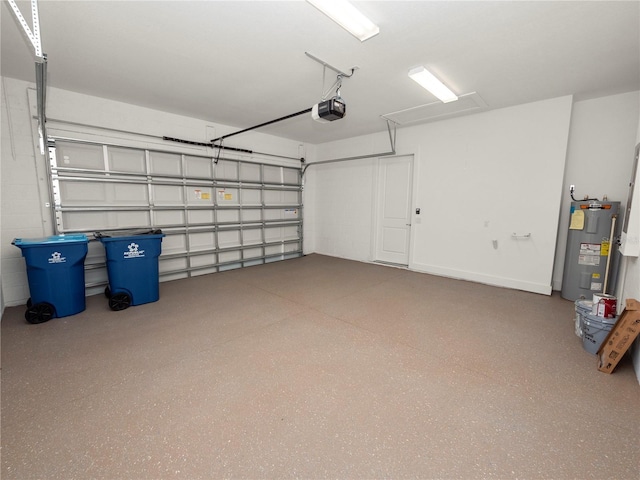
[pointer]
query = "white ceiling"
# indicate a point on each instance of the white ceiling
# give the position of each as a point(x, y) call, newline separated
point(242, 63)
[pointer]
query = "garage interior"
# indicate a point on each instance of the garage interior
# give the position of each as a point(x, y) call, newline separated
point(300, 332)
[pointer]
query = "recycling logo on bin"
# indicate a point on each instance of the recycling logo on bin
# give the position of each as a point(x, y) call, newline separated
point(133, 251)
point(56, 257)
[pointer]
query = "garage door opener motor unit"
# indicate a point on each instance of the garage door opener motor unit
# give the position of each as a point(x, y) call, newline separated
point(329, 110)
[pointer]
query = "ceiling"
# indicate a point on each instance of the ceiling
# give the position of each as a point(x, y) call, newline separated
point(242, 63)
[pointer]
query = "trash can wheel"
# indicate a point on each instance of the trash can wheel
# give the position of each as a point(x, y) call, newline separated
point(107, 291)
point(119, 301)
point(39, 313)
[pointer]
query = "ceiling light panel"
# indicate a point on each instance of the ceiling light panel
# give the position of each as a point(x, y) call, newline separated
point(348, 17)
point(427, 80)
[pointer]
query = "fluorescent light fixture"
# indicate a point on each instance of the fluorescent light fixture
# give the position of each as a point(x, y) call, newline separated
point(426, 80)
point(348, 17)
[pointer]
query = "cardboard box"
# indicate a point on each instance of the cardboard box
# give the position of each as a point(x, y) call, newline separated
point(620, 338)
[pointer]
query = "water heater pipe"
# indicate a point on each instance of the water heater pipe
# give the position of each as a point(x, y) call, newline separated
point(606, 271)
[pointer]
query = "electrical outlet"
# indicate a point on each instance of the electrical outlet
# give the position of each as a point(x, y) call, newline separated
point(572, 188)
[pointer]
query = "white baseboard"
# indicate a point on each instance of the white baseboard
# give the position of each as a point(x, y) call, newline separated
point(482, 278)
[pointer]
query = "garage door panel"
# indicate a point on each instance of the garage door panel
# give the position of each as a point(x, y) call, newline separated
point(291, 176)
point(249, 253)
point(252, 237)
point(202, 241)
point(97, 221)
point(272, 174)
point(96, 276)
point(204, 260)
point(198, 167)
point(165, 164)
point(227, 196)
point(230, 256)
point(292, 247)
point(78, 155)
point(205, 271)
point(167, 194)
point(165, 218)
point(273, 234)
point(201, 217)
point(133, 220)
point(74, 193)
point(92, 193)
point(226, 170)
point(251, 197)
point(282, 214)
point(227, 239)
point(216, 216)
point(273, 249)
point(229, 216)
point(127, 194)
point(174, 243)
point(200, 196)
point(171, 264)
point(290, 233)
point(279, 197)
point(250, 172)
point(126, 160)
point(251, 215)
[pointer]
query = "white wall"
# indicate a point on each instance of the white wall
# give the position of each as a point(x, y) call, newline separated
point(339, 198)
point(477, 179)
point(24, 176)
point(631, 287)
point(599, 157)
point(21, 199)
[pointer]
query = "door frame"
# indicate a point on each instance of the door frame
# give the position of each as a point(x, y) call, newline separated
point(376, 202)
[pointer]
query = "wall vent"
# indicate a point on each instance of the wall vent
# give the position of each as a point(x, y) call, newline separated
point(467, 103)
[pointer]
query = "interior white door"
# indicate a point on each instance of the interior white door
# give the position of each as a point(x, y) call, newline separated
point(393, 226)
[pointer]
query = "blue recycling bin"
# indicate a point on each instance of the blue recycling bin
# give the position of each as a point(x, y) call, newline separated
point(55, 271)
point(132, 267)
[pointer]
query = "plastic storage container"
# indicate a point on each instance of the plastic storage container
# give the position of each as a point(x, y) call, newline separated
point(55, 271)
point(583, 308)
point(595, 330)
point(132, 267)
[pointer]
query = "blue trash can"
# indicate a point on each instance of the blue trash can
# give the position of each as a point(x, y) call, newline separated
point(132, 267)
point(55, 271)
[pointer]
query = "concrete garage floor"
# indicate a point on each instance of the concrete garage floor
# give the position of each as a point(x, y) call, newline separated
point(315, 368)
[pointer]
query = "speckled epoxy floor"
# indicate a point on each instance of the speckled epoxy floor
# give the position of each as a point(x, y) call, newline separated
point(315, 368)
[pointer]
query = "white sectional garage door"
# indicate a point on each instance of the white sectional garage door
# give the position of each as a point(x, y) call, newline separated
point(216, 215)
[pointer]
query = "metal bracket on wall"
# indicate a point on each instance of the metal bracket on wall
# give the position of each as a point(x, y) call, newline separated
point(34, 37)
point(41, 64)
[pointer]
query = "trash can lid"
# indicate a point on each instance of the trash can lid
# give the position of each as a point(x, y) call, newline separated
point(128, 233)
point(54, 239)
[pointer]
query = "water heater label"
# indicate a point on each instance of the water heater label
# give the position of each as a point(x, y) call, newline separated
point(589, 249)
point(589, 254)
point(577, 220)
point(592, 260)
